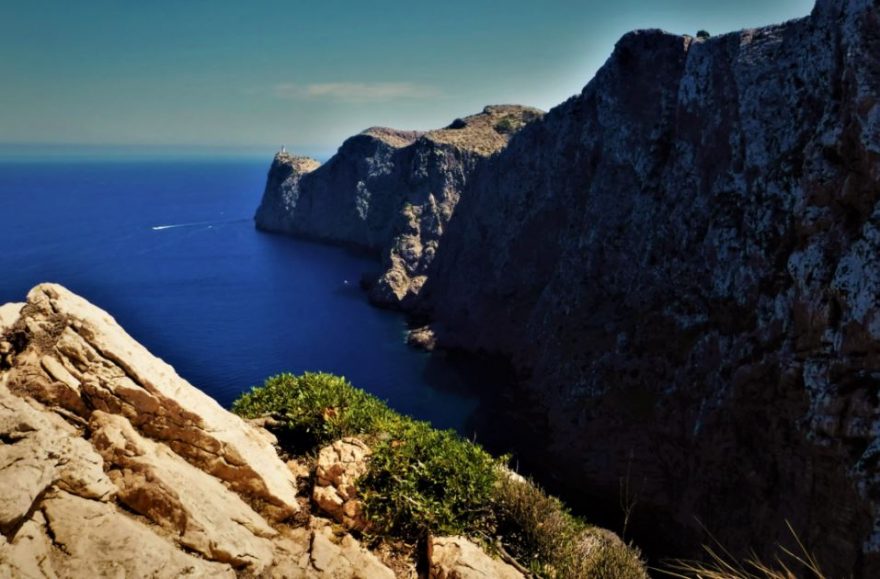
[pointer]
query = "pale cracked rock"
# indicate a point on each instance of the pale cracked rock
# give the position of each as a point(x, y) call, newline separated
point(111, 465)
point(339, 466)
point(195, 507)
point(94, 539)
point(9, 315)
point(38, 450)
point(459, 558)
point(344, 558)
point(317, 552)
point(78, 358)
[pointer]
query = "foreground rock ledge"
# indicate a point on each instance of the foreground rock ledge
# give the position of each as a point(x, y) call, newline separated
point(111, 464)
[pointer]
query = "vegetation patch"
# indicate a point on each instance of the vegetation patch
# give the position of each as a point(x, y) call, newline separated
point(422, 481)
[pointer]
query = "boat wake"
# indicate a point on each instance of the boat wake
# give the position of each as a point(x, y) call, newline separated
point(196, 224)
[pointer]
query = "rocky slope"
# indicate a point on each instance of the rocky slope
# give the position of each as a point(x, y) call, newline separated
point(387, 191)
point(112, 465)
point(683, 262)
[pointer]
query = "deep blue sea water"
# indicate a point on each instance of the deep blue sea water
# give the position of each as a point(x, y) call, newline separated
point(170, 250)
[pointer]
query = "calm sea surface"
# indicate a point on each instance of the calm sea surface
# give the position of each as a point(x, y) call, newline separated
point(170, 250)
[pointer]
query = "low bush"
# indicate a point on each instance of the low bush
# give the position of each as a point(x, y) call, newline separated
point(316, 407)
point(542, 534)
point(424, 481)
point(420, 479)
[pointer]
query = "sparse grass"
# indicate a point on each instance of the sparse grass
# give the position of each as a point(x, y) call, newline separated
point(485, 133)
point(720, 564)
point(425, 481)
point(543, 535)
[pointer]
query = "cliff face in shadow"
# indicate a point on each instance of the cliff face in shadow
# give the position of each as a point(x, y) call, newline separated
point(386, 191)
point(683, 262)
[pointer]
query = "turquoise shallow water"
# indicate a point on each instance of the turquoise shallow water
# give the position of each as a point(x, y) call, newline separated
point(169, 249)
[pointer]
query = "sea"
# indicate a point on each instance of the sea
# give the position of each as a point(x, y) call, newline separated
point(168, 247)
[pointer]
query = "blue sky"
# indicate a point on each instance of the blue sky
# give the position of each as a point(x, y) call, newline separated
point(252, 75)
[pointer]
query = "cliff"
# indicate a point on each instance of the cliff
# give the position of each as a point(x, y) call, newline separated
point(386, 191)
point(113, 465)
point(683, 263)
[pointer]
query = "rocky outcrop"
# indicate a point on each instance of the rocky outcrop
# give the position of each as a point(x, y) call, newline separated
point(112, 465)
point(459, 558)
point(388, 192)
point(682, 261)
point(339, 466)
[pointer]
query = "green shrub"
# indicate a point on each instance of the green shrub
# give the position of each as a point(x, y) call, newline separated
point(506, 126)
point(421, 480)
point(426, 480)
point(316, 407)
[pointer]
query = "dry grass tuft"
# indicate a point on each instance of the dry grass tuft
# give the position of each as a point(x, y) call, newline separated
point(722, 565)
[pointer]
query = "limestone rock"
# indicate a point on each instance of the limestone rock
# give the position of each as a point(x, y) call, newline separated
point(344, 558)
point(114, 545)
point(194, 506)
point(39, 450)
point(317, 552)
point(9, 315)
point(459, 558)
point(78, 358)
point(111, 465)
point(339, 466)
point(389, 192)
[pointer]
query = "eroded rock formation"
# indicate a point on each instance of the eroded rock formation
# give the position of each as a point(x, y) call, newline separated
point(112, 465)
point(386, 191)
point(339, 466)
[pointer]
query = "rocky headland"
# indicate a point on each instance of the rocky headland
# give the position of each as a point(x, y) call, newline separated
point(681, 261)
point(387, 192)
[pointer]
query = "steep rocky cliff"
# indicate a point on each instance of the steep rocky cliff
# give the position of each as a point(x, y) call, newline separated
point(387, 191)
point(683, 262)
point(111, 465)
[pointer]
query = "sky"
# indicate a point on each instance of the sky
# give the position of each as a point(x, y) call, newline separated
point(249, 76)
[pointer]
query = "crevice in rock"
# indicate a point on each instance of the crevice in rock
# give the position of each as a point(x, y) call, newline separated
point(12, 530)
point(50, 533)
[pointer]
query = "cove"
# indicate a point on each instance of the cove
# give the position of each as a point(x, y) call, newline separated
point(170, 250)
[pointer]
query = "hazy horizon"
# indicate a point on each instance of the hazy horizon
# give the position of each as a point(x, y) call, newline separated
point(204, 77)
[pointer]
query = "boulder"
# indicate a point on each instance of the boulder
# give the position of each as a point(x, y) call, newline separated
point(459, 558)
point(339, 466)
point(195, 507)
point(77, 358)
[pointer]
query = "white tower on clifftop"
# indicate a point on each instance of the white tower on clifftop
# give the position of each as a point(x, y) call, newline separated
point(283, 149)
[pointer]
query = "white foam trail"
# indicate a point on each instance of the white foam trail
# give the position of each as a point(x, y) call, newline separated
point(194, 224)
